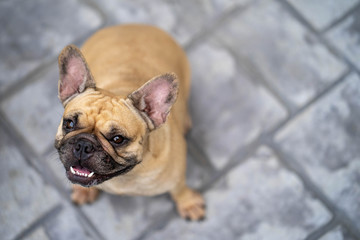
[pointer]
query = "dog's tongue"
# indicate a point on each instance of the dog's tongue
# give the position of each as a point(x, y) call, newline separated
point(81, 170)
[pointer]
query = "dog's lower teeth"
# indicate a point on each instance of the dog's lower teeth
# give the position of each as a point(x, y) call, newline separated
point(81, 174)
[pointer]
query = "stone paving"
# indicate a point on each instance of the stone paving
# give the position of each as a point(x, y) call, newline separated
point(275, 104)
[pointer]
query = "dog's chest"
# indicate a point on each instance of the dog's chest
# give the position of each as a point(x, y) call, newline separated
point(147, 184)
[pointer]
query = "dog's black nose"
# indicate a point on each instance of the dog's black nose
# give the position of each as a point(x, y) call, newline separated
point(83, 149)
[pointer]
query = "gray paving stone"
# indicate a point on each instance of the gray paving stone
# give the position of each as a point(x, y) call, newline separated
point(322, 13)
point(197, 174)
point(38, 234)
point(228, 106)
point(183, 19)
point(338, 233)
point(124, 217)
point(325, 140)
point(35, 111)
point(346, 37)
point(275, 47)
point(57, 169)
point(25, 197)
point(34, 32)
point(67, 225)
point(257, 200)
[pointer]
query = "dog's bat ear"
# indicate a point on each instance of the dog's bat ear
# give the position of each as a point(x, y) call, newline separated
point(156, 97)
point(75, 75)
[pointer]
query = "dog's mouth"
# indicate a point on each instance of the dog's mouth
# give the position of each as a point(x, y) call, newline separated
point(88, 178)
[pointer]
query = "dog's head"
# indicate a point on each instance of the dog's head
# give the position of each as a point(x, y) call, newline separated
point(101, 135)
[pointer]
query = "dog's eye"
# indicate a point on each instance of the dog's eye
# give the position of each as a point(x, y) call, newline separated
point(69, 124)
point(118, 139)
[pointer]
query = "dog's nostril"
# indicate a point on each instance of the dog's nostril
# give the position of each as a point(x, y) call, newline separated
point(78, 147)
point(89, 149)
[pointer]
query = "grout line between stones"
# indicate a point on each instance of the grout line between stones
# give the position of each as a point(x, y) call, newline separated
point(318, 233)
point(87, 224)
point(93, 4)
point(296, 13)
point(212, 26)
point(39, 222)
point(237, 158)
point(314, 100)
point(282, 99)
point(338, 54)
point(22, 145)
point(298, 16)
point(296, 168)
point(154, 226)
point(199, 155)
point(342, 18)
point(30, 78)
point(319, 35)
point(35, 74)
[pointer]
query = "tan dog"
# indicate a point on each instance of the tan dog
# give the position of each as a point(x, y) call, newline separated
point(116, 133)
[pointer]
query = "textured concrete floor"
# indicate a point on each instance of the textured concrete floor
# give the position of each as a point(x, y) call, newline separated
point(275, 146)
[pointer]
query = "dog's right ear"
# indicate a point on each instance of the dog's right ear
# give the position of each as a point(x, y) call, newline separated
point(155, 98)
point(75, 75)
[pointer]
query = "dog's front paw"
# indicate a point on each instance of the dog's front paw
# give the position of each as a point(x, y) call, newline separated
point(190, 205)
point(81, 195)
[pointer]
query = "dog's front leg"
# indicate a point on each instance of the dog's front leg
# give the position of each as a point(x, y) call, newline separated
point(189, 203)
point(81, 195)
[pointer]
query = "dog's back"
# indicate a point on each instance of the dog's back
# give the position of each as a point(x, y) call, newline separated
point(132, 54)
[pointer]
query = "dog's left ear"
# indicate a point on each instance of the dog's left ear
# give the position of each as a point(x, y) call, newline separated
point(155, 98)
point(75, 75)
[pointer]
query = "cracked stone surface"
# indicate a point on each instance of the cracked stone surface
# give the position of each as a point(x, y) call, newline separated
point(325, 140)
point(240, 202)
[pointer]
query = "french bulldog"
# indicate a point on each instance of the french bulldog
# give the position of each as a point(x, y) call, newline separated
point(125, 117)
